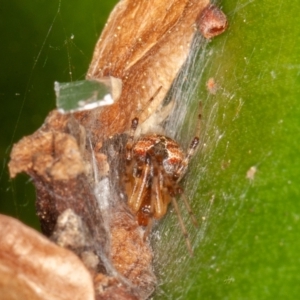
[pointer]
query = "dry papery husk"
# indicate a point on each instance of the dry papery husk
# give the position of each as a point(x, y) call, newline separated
point(32, 267)
point(144, 43)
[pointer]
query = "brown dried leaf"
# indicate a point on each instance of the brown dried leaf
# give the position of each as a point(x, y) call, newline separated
point(31, 267)
point(144, 43)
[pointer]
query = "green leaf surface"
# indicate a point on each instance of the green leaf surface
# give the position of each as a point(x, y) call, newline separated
point(244, 181)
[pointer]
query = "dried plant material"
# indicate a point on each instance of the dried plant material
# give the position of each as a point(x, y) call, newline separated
point(31, 267)
point(102, 164)
point(54, 155)
point(76, 160)
point(108, 288)
point(144, 43)
point(212, 21)
point(71, 232)
point(130, 254)
point(90, 260)
point(70, 212)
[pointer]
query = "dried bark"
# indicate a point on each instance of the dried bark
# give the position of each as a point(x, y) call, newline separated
point(144, 43)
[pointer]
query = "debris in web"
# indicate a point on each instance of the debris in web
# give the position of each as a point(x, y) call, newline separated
point(87, 94)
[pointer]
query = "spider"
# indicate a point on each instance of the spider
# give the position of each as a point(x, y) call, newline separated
point(155, 164)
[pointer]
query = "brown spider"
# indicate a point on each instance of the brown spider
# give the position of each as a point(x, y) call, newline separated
point(155, 166)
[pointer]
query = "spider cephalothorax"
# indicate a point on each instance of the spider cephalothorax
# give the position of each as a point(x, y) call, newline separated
point(155, 165)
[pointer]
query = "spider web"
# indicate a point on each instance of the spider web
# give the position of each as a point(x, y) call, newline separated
point(193, 85)
point(60, 54)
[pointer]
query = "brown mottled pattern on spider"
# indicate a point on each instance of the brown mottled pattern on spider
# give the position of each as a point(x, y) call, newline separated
point(155, 165)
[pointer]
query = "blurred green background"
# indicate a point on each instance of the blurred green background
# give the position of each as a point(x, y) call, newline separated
point(247, 245)
point(41, 42)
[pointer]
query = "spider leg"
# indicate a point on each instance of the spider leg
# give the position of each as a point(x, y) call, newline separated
point(183, 229)
point(155, 94)
point(158, 207)
point(148, 103)
point(188, 207)
point(160, 196)
point(139, 188)
point(198, 127)
point(191, 151)
point(130, 142)
point(183, 166)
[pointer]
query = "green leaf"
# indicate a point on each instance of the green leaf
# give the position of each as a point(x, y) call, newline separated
point(244, 182)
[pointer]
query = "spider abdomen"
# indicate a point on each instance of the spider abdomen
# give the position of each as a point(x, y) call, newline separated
point(160, 148)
